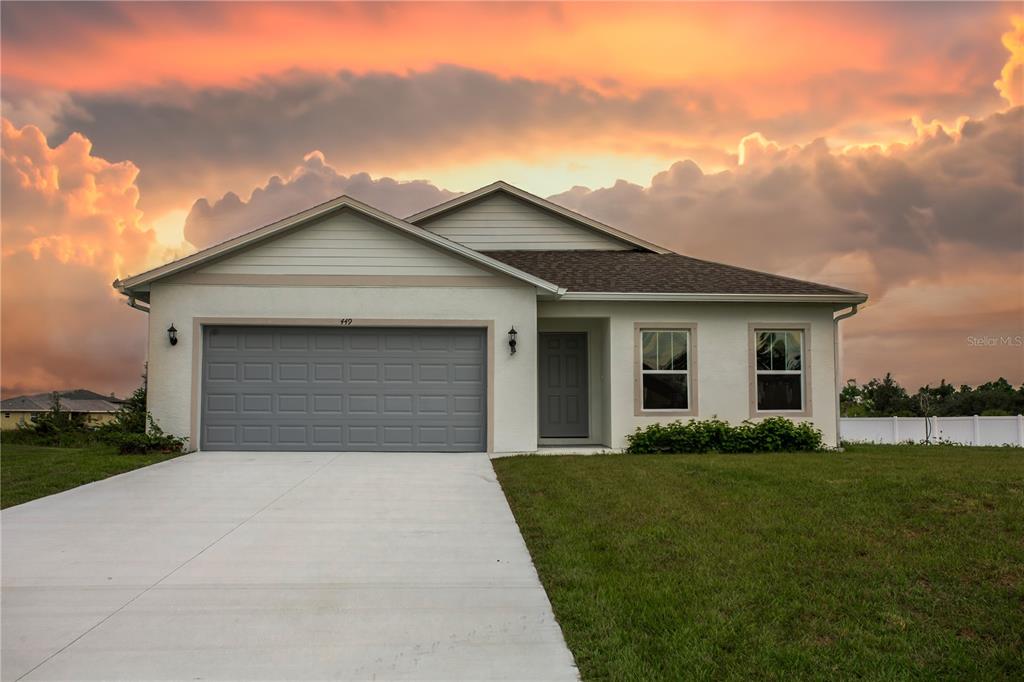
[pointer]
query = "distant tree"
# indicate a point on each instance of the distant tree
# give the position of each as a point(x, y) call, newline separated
point(886, 398)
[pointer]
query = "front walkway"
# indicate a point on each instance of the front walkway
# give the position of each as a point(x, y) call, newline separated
point(278, 566)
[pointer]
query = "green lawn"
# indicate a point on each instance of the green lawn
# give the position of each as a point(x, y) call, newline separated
point(881, 562)
point(28, 471)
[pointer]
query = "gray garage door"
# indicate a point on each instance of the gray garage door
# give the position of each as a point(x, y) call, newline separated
point(325, 388)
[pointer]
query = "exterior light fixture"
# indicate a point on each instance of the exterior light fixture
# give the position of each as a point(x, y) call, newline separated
point(512, 333)
point(172, 335)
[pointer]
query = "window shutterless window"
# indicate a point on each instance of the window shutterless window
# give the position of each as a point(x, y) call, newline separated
point(665, 369)
point(779, 370)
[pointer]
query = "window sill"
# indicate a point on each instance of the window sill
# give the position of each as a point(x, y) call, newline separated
point(640, 412)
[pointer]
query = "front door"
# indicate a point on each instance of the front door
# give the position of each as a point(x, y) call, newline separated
point(563, 385)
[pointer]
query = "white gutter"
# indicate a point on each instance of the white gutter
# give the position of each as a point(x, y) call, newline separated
point(133, 304)
point(851, 298)
point(835, 360)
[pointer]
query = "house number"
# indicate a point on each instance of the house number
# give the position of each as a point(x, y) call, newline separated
point(346, 321)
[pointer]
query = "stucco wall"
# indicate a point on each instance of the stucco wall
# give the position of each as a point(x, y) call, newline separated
point(723, 368)
point(173, 372)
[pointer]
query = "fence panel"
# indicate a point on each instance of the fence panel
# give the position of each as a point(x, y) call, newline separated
point(963, 430)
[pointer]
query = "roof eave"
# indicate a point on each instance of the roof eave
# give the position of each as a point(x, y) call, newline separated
point(848, 298)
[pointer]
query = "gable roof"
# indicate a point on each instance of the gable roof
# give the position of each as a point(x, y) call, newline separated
point(284, 225)
point(639, 274)
point(77, 400)
point(543, 204)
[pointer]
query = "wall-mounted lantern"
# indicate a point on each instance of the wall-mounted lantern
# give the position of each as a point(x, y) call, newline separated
point(512, 333)
point(172, 335)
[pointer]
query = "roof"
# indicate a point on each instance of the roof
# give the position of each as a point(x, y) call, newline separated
point(543, 204)
point(130, 284)
point(661, 275)
point(647, 272)
point(77, 400)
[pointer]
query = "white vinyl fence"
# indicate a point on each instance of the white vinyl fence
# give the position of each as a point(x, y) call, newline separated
point(963, 430)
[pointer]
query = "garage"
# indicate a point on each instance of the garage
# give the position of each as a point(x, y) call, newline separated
point(344, 389)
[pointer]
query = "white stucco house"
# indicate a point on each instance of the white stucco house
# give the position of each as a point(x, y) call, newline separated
point(345, 328)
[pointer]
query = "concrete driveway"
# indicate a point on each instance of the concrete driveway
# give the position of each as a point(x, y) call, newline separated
point(277, 566)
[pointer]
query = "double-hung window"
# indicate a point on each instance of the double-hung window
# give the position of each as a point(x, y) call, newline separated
point(665, 369)
point(780, 370)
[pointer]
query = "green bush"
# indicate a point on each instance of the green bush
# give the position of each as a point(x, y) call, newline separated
point(774, 434)
point(151, 440)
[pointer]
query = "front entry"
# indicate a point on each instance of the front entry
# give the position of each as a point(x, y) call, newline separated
point(563, 385)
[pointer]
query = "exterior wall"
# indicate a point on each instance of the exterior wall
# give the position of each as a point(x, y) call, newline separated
point(500, 221)
point(723, 356)
point(174, 370)
point(10, 420)
point(345, 243)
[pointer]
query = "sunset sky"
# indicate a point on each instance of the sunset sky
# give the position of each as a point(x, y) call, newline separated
point(878, 147)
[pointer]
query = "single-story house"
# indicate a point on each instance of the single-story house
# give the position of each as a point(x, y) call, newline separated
point(496, 321)
point(94, 408)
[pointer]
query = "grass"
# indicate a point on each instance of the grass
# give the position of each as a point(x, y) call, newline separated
point(29, 471)
point(883, 562)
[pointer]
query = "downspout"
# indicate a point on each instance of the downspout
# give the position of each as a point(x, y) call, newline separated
point(835, 360)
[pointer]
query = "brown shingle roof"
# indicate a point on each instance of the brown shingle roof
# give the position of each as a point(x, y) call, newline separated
point(646, 272)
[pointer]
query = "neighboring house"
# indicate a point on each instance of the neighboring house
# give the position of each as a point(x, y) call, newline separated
point(345, 328)
point(94, 408)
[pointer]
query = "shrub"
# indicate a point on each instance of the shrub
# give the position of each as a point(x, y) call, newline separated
point(774, 434)
point(141, 443)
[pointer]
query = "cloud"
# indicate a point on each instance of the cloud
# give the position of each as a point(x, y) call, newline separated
point(1011, 79)
point(809, 202)
point(311, 183)
point(201, 141)
point(70, 226)
point(933, 230)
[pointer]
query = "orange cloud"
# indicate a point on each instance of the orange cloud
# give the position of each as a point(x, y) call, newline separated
point(70, 226)
point(128, 45)
point(1011, 80)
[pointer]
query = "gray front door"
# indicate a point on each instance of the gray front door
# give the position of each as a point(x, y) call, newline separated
point(328, 388)
point(563, 385)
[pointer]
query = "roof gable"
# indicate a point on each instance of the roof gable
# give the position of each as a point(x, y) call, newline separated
point(345, 242)
point(239, 246)
point(501, 216)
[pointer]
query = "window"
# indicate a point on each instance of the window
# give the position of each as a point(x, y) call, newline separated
point(665, 369)
point(779, 369)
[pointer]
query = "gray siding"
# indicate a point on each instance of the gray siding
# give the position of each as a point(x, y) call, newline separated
point(345, 244)
point(500, 222)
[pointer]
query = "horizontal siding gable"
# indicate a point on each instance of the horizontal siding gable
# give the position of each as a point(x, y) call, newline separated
point(345, 243)
point(500, 221)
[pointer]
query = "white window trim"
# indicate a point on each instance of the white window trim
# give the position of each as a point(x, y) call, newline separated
point(691, 368)
point(805, 367)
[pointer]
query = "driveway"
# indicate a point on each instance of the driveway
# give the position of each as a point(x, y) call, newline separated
point(278, 566)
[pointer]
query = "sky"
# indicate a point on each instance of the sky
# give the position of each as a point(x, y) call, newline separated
point(876, 146)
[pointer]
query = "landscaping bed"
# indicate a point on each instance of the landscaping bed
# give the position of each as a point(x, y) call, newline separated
point(880, 562)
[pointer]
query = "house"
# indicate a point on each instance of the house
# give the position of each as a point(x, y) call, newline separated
point(497, 321)
point(94, 408)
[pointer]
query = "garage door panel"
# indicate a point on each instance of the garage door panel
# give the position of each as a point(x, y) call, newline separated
point(267, 388)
